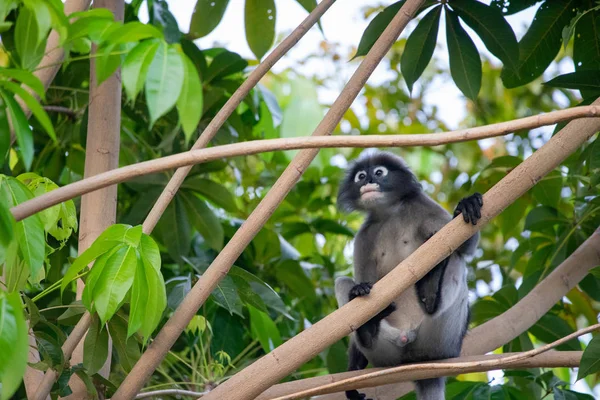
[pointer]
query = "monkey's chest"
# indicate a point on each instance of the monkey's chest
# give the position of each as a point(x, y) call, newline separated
point(395, 245)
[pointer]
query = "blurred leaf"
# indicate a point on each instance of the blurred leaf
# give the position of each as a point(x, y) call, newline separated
point(259, 20)
point(331, 226)
point(264, 329)
point(465, 64)
point(7, 228)
point(290, 273)
point(4, 127)
point(550, 328)
point(541, 43)
point(510, 218)
point(590, 361)
point(177, 289)
point(337, 358)
point(542, 217)
point(27, 38)
point(420, 46)
point(212, 191)
point(148, 300)
point(226, 295)
point(547, 191)
point(207, 15)
point(564, 394)
point(26, 78)
point(204, 220)
point(130, 32)
point(128, 351)
point(225, 63)
point(489, 24)
point(270, 298)
point(22, 129)
point(163, 19)
point(591, 286)
point(580, 80)
point(14, 344)
point(247, 294)
point(164, 81)
point(189, 103)
point(95, 347)
point(50, 350)
point(376, 28)
point(135, 67)
point(513, 7)
point(231, 332)
point(174, 228)
point(586, 46)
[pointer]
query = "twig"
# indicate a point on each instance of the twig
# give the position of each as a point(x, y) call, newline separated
point(62, 110)
point(457, 367)
point(168, 392)
point(199, 156)
point(220, 266)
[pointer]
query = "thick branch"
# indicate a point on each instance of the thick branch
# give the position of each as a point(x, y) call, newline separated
point(455, 367)
point(218, 269)
point(123, 174)
point(484, 338)
point(286, 358)
point(169, 392)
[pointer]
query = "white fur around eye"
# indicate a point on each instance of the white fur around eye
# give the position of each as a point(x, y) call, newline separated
point(360, 175)
point(380, 171)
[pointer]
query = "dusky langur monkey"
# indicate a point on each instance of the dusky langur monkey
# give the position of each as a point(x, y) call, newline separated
point(429, 321)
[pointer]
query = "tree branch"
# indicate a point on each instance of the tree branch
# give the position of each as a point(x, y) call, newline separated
point(170, 392)
point(484, 338)
point(62, 110)
point(199, 156)
point(266, 371)
point(218, 269)
point(455, 367)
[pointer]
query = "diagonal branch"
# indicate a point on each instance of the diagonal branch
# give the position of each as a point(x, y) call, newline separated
point(286, 358)
point(484, 338)
point(146, 365)
point(191, 157)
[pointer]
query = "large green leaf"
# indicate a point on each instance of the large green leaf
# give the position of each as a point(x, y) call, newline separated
point(21, 127)
point(27, 39)
point(204, 220)
point(128, 351)
point(543, 217)
point(164, 81)
point(135, 67)
point(212, 191)
point(189, 103)
point(590, 361)
point(149, 251)
point(264, 329)
point(550, 328)
point(231, 329)
point(465, 64)
point(26, 78)
point(207, 15)
point(586, 46)
point(547, 191)
point(541, 43)
point(581, 80)
point(291, 274)
point(95, 347)
point(174, 229)
point(14, 344)
point(130, 32)
point(226, 295)
point(491, 27)
point(259, 19)
point(148, 300)
point(163, 19)
point(513, 7)
point(420, 46)
point(376, 28)
point(225, 63)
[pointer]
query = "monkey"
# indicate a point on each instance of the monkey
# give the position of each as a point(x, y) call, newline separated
point(429, 321)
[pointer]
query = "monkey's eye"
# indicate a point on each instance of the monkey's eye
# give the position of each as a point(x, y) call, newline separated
point(360, 175)
point(381, 171)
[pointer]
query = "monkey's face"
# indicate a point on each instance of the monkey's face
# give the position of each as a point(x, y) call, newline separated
point(376, 182)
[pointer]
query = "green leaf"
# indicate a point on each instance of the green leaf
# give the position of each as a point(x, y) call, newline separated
point(95, 347)
point(26, 78)
point(224, 64)
point(4, 127)
point(135, 67)
point(270, 298)
point(33, 105)
point(465, 64)
point(590, 361)
point(376, 28)
point(7, 228)
point(22, 129)
point(130, 32)
point(226, 295)
point(586, 46)
point(107, 61)
point(128, 351)
point(541, 217)
point(164, 81)
point(207, 15)
point(92, 278)
point(212, 191)
point(328, 225)
point(510, 218)
point(264, 329)
point(189, 103)
point(92, 27)
point(149, 251)
point(148, 300)
point(115, 282)
point(204, 220)
point(231, 329)
point(550, 328)
point(291, 274)
point(163, 19)
point(27, 33)
point(547, 191)
point(591, 286)
point(14, 345)
point(259, 19)
point(489, 24)
point(174, 229)
point(247, 295)
point(513, 7)
point(541, 43)
point(419, 47)
point(580, 80)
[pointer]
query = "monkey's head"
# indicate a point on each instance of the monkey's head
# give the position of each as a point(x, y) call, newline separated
point(376, 180)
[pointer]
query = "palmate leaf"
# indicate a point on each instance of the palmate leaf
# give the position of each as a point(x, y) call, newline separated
point(541, 43)
point(465, 64)
point(489, 24)
point(164, 81)
point(259, 20)
point(207, 15)
point(189, 103)
point(14, 344)
point(419, 47)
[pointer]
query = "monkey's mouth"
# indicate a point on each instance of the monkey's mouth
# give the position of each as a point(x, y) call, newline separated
point(369, 192)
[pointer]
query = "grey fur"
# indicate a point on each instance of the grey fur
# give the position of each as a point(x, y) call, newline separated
point(397, 223)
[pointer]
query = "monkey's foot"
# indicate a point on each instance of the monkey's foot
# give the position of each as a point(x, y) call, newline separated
point(356, 395)
point(470, 208)
point(359, 290)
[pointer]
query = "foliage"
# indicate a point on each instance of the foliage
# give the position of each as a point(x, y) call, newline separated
point(283, 281)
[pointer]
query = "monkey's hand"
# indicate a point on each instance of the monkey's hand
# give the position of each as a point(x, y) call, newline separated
point(356, 395)
point(363, 289)
point(470, 208)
